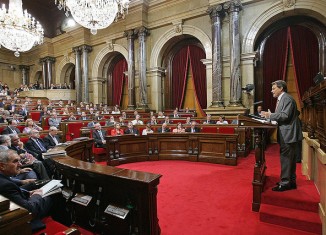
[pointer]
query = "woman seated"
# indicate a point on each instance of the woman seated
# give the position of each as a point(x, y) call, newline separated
point(179, 128)
point(148, 129)
point(117, 130)
point(30, 125)
point(116, 110)
point(72, 117)
point(188, 120)
point(221, 120)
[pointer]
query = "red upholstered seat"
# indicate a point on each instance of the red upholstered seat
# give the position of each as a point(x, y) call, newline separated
point(98, 153)
point(226, 130)
point(35, 115)
point(209, 129)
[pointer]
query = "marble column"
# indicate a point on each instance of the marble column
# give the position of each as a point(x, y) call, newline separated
point(156, 76)
point(44, 73)
point(25, 74)
point(234, 8)
point(49, 62)
point(216, 14)
point(142, 33)
point(130, 34)
point(85, 50)
point(78, 86)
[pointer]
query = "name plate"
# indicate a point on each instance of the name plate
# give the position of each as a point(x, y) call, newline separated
point(116, 211)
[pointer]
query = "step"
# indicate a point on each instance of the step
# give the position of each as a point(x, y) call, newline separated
point(287, 217)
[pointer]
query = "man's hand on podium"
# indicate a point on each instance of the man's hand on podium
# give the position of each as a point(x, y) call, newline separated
point(265, 114)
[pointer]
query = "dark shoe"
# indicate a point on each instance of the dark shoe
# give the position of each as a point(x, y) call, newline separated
point(282, 188)
point(293, 185)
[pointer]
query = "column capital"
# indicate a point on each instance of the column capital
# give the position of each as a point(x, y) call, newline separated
point(86, 48)
point(76, 50)
point(130, 34)
point(142, 31)
point(216, 11)
point(24, 67)
point(233, 6)
point(47, 59)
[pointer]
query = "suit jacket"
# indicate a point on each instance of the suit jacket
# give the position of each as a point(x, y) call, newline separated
point(134, 131)
point(35, 204)
point(209, 122)
point(287, 117)
point(159, 130)
point(33, 147)
point(8, 131)
point(197, 129)
point(97, 138)
point(49, 142)
point(54, 122)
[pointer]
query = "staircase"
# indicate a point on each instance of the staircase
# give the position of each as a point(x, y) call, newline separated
point(296, 209)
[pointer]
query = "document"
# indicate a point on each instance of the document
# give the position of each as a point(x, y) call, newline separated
point(54, 186)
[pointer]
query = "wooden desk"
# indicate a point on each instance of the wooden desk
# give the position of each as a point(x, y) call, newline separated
point(201, 147)
point(132, 190)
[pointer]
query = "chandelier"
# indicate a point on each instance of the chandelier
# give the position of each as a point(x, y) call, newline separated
point(19, 31)
point(94, 14)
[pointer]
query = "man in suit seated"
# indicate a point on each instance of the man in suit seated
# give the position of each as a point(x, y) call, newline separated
point(163, 129)
point(54, 120)
point(52, 139)
point(193, 128)
point(83, 116)
point(131, 129)
point(175, 114)
point(208, 120)
point(167, 120)
point(11, 128)
point(137, 121)
point(31, 200)
point(35, 144)
point(99, 136)
point(153, 120)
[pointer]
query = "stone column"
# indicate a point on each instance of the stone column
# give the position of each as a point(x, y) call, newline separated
point(25, 74)
point(49, 62)
point(130, 34)
point(156, 76)
point(142, 33)
point(78, 86)
point(44, 73)
point(85, 50)
point(234, 8)
point(216, 14)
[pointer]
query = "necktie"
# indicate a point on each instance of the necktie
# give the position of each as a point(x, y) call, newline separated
point(13, 131)
point(101, 135)
point(192, 130)
point(40, 145)
point(276, 104)
point(55, 140)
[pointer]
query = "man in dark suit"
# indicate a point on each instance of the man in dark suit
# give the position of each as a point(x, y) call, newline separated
point(52, 139)
point(209, 120)
point(167, 120)
point(131, 129)
point(289, 134)
point(163, 129)
point(11, 128)
point(35, 144)
point(99, 136)
point(193, 128)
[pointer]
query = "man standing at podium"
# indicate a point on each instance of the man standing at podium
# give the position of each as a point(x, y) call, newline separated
point(289, 134)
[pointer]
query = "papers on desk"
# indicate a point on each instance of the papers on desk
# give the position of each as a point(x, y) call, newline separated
point(54, 153)
point(54, 186)
point(260, 120)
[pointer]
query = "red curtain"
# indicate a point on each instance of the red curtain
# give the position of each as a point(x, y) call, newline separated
point(305, 51)
point(275, 62)
point(199, 74)
point(118, 78)
point(179, 76)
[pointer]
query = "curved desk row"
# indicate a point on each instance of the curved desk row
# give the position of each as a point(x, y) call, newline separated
point(122, 201)
point(201, 147)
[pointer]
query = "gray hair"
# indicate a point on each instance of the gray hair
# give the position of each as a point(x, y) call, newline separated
point(5, 155)
point(4, 138)
point(281, 84)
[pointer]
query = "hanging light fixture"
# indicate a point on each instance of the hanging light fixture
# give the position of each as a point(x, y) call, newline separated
point(19, 31)
point(94, 14)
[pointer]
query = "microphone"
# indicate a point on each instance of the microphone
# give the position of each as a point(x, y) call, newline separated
point(258, 102)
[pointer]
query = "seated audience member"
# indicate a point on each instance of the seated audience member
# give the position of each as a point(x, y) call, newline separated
point(148, 129)
point(117, 130)
point(193, 128)
point(29, 125)
point(35, 144)
point(137, 120)
point(91, 123)
point(221, 120)
point(110, 122)
point(160, 115)
point(135, 113)
point(52, 139)
point(23, 111)
point(65, 111)
point(4, 116)
point(72, 117)
point(124, 115)
point(187, 110)
point(234, 122)
point(209, 120)
point(83, 116)
point(188, 121)
point(258, 110)
point(122, 121)
point(12, 107)
point(167, 120)
point(163, 128)
point(131, 129)
point(54, 120)
point(39, 105)
point(78, 112)
point(11, 128)
point(33, 201)
point(43, 113)
point(97, 116)
point(179, 128)
point(105, 111)
point(26, 158)
point(152, 121)
point(116, 110)
point(91, 111)
point(99, 136)
point(175, 114)
point(16, 118)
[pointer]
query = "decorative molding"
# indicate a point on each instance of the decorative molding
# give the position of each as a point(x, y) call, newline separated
point(178, 26)
point(289, 3)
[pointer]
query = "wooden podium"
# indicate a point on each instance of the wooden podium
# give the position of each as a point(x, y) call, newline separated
point(258, 182)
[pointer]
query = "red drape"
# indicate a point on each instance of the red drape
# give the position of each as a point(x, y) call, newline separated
point(199, 74)
point(304, 49)
point(118, 80)
point(275, 61)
